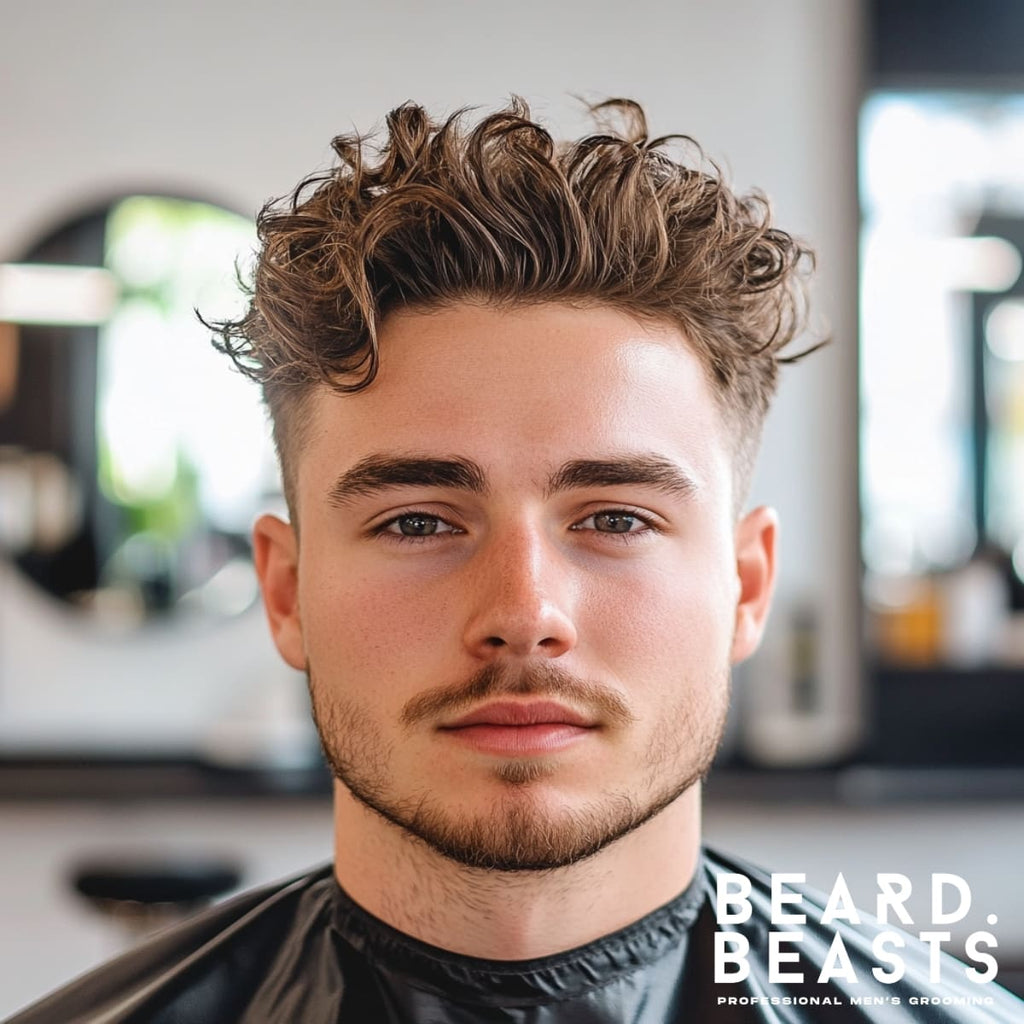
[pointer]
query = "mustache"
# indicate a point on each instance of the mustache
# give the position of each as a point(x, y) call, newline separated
point(541, 680)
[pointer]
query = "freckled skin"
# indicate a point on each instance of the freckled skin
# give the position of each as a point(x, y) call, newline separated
point(642, 595)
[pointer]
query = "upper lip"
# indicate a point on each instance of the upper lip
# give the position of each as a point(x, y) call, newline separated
point(508, 712)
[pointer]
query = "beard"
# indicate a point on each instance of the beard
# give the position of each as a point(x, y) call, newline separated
point(518, 833)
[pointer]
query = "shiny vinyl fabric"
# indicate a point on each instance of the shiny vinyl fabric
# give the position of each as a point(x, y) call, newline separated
point(302, 951)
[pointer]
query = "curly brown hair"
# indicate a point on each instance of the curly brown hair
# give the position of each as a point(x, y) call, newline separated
point(498, 212)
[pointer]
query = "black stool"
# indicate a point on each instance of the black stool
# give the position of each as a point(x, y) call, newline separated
point(146, 893)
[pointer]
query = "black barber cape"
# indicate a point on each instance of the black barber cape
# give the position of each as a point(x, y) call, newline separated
point(302, 952)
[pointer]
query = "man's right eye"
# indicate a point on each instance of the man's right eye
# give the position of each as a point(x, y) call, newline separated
point(417, 524)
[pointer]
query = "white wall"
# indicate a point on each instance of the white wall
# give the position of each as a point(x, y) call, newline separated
point(237, 100)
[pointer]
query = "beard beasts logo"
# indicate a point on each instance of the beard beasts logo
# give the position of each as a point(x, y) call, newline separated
point(890, 947)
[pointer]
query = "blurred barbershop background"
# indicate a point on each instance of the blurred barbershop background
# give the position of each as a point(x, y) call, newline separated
point(155, 754)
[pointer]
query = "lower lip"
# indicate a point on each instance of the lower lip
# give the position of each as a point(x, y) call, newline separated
point(519, 740)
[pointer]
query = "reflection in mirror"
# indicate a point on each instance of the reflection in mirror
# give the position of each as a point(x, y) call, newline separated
point(942, 377)
point(132, 460)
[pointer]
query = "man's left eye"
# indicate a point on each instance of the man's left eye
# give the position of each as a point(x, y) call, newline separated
point(613, 521)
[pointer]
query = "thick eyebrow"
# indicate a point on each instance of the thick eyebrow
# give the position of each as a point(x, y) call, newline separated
point(382, 472)
point(646, 470)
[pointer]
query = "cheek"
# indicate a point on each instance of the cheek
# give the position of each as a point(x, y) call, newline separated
point(670, 620)
point(369, 627)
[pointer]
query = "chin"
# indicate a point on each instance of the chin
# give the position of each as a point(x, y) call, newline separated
point(521, 773)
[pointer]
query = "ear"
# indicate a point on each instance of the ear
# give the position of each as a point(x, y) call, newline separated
point(276, 553)
point(756, 538)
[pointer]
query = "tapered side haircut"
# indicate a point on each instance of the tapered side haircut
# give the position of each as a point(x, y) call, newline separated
point(495, 211)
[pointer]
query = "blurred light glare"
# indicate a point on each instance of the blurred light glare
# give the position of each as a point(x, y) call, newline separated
point(1004, 331)
point(32, 293)
point(898, 261)
point(918, 154)
point(138, 409)
point(1018, 559)
point(889, 547)
point(978, 264)
point(142, 254)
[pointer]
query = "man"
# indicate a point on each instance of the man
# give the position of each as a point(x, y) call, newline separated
point(517, 391)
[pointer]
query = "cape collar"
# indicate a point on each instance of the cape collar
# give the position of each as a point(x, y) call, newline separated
point(574, 972)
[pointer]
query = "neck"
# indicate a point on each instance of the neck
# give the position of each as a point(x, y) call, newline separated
point(512, 915)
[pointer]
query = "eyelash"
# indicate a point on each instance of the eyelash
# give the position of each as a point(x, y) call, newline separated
point(383, 532)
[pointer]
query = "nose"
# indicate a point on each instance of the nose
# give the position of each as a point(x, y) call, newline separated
point(521, 598)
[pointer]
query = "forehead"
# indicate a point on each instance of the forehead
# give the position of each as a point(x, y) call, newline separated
point(522, 388)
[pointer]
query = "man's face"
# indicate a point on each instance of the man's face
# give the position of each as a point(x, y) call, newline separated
point(520, 583)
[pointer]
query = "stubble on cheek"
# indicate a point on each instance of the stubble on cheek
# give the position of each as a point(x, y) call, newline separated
point(352, 744)
point(689, 736)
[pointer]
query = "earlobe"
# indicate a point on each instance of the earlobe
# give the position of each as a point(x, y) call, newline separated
point(276, 554)
point(756, 539)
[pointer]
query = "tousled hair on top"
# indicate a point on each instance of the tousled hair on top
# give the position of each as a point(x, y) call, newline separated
point(496, 211)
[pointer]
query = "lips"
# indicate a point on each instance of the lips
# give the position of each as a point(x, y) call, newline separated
point(515, 713)
point(509, 729)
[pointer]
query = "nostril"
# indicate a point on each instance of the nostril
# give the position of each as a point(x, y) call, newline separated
point(494, 641)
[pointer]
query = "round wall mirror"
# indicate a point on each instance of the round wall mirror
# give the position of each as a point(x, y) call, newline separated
point(132, 457)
